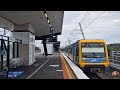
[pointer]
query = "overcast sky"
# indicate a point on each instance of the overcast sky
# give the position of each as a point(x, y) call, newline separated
point(106, 25)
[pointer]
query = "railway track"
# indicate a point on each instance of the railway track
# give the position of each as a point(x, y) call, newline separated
point(92, 75)
point(100, 76)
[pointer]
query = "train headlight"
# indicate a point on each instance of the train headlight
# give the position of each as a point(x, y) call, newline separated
point(104, 61)
point(84, 60)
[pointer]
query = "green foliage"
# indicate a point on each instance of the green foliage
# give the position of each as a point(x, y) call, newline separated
point(112, 48)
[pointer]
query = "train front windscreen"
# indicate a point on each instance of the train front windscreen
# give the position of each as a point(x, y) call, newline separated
point(93, 50)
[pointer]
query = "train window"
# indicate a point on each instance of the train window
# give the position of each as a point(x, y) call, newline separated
point(92, 44)
point(70, 50)
point(93, 50)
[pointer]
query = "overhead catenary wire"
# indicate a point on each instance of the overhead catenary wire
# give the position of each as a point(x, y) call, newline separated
point(100, 21)
point(94, 19)
point(81, 21)
point(85, 17)
point(71, 33)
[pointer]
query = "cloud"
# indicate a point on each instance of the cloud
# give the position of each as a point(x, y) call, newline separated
point(106, 27)
point(116, 20)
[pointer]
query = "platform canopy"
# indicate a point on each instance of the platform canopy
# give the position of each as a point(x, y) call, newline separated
point(37, 19)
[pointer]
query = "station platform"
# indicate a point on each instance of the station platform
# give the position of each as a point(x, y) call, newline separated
point(56, 66)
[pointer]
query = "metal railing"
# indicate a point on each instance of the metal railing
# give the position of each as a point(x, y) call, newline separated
point(117, 66)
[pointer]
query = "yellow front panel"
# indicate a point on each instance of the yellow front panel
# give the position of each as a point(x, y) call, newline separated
point(80, 52)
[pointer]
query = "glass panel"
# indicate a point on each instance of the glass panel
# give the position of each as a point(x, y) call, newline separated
point(5, 54)
point(95, 50)
point(8, 33)
point(1, 31)
point(15, 50)
point(0, 37)
point(0, 54)
point(5, 38)
point(11, 49)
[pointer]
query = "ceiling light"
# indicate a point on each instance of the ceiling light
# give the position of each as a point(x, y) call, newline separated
point(45, 14)
point(48, 21)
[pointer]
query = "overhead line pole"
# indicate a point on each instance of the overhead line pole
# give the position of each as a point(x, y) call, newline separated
point(82, 31)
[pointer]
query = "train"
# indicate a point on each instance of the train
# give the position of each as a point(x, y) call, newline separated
point(90, 55)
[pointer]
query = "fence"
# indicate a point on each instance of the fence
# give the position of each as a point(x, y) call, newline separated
point(114, 59)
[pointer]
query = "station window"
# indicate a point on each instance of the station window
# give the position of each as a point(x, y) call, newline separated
point(5, 32)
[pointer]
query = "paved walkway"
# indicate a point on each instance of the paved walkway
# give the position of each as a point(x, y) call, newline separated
point(47, 67)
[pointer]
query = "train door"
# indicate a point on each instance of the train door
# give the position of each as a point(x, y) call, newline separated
point(73, 52)
point(76, 58)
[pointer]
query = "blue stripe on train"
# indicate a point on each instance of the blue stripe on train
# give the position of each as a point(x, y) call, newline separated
point(95, 60)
